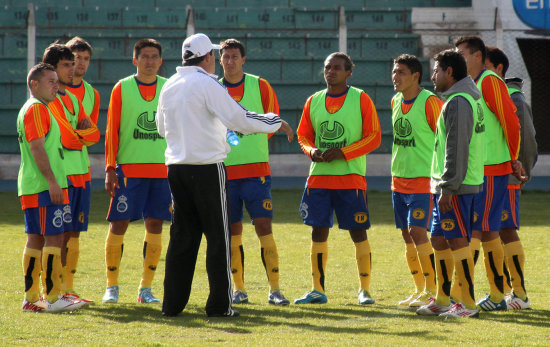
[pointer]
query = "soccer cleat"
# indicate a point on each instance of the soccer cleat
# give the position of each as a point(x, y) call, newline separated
point(432, 309)
point(32, 306)
point(111, 295)
point(365, 298)
point(63, 304)
point(146, 297)
point(277, 298)
point(76, 297)
point(421, 299)
point(513, 302)
point(407, 301)
point(313, 297)
point(240, 297)
point(231, 313)
point(459, 310)
point(486, 304)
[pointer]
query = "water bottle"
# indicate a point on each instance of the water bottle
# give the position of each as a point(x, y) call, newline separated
point(232, 138)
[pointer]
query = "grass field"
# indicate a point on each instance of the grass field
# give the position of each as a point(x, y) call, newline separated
point(342, 321)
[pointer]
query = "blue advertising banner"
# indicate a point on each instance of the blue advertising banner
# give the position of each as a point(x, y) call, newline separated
point(534, 13)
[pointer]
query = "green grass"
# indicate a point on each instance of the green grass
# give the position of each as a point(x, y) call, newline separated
point(341, 321)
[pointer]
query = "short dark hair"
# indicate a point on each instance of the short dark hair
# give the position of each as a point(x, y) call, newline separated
point(56, 52)
point(233, 43)
point(349, 65)
point(497, 56)
point(451, 58)
point(474, 44)
point(37, 71)
point(194, 61)
point(78, 44)
point(412, 62)
point(148, 42)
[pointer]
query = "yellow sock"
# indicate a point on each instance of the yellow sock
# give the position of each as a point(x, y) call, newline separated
point(237, 262)
point(414, 266)
point(32, 266)
point(444, 267)
point(152, 247)
point(73, 251)
point(51, 272)
point(475, 246)
point(270, 259)
point(494, 259)
point(113, 254)
point(319, 253)
point(507, 283)
point(515, 258)
point(464, 275)
point(364, 265)
point(456, 291)
point(427, 263)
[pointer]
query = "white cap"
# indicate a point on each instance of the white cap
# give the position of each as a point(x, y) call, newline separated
point(199, 45)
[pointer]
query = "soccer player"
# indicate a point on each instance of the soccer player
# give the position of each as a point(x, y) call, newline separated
point(414, 117)
point(77, 132)
point(339, 126)
point(457, 176)
point(42, 188)
point(513, 250)
point(502, 142)
point(89, 97)
point(249, 174)
point(136, 176)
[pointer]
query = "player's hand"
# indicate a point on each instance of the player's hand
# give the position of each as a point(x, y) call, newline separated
point(111, 182)
point(444, 202)
point(316, 155)
point(85, 123)
point(333, 154)
point(56, 193)
point(518, 172)
point(287, 130)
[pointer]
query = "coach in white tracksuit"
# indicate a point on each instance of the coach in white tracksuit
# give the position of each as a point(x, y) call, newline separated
point(194, 113)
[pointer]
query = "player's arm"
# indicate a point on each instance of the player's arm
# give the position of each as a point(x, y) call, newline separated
point(306, 134)
point(372, 135)
point(111, 139)
point(496, 96)
point(37, 125)
point(87, 129)
point(269, 99)
point(69, 137)
point(433, 109)
point(528, 151)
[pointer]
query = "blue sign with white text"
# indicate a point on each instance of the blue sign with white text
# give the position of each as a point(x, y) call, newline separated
point(534, 13)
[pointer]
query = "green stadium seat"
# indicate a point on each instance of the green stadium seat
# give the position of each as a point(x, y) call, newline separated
point(372, 71)
point(13, 16)
point(13, 93)
point(9, 144)
point(275, 46)
point(291, 115)
point(8, 119)
point(193, 3)
point(68, 16)
point(209, 18)
point(14, 68)
point(377, 46)
point(386, 19)
point(320, 48)
point(71, 3)
point(256, 3)
point(294, 94)
point(13, 44)
point(316, 19)
point(278, 144)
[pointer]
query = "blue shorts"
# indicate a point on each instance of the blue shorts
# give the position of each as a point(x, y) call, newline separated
point(412, 209)
point(140, 198)
point(318, 206)
point(456, 223)
point(47, 219)
point(510, 212)
point(79, 206)
point(489, 203)
point(255, 193)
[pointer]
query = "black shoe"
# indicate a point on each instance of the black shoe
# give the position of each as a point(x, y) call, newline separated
point(232, 313)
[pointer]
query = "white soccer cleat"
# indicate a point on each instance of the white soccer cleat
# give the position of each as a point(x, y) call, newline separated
point(32, 306)
point(63, 304)
point(407, 301)
point(460, 311)
point(432, 309)
point(513, 302)
point(421, 299)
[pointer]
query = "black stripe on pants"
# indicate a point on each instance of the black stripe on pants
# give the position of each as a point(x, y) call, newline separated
point(200, 206)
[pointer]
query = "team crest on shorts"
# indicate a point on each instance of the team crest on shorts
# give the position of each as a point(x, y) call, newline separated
point(504, 216)
point(360, 217)
point(57, 220)
point(476, 216)
point(418, 213)
point(447, 224)
point(67, 215)
point(81, 217)
point(303, 210)
point(267, 205)
point(122, 205)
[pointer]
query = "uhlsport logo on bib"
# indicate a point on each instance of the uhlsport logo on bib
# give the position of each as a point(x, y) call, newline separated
point(145, 123)
point(122, 205)
point(402, 129)
point(328, 135)
point(57, 220)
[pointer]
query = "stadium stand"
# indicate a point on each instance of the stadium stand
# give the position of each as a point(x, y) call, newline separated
point(286, 40)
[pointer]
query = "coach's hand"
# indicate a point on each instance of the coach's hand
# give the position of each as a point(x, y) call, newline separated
point(444, 202)
point(333, 154)
point(111, 181)
point(287, 130)
point(316, 154)
point(518, 172)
